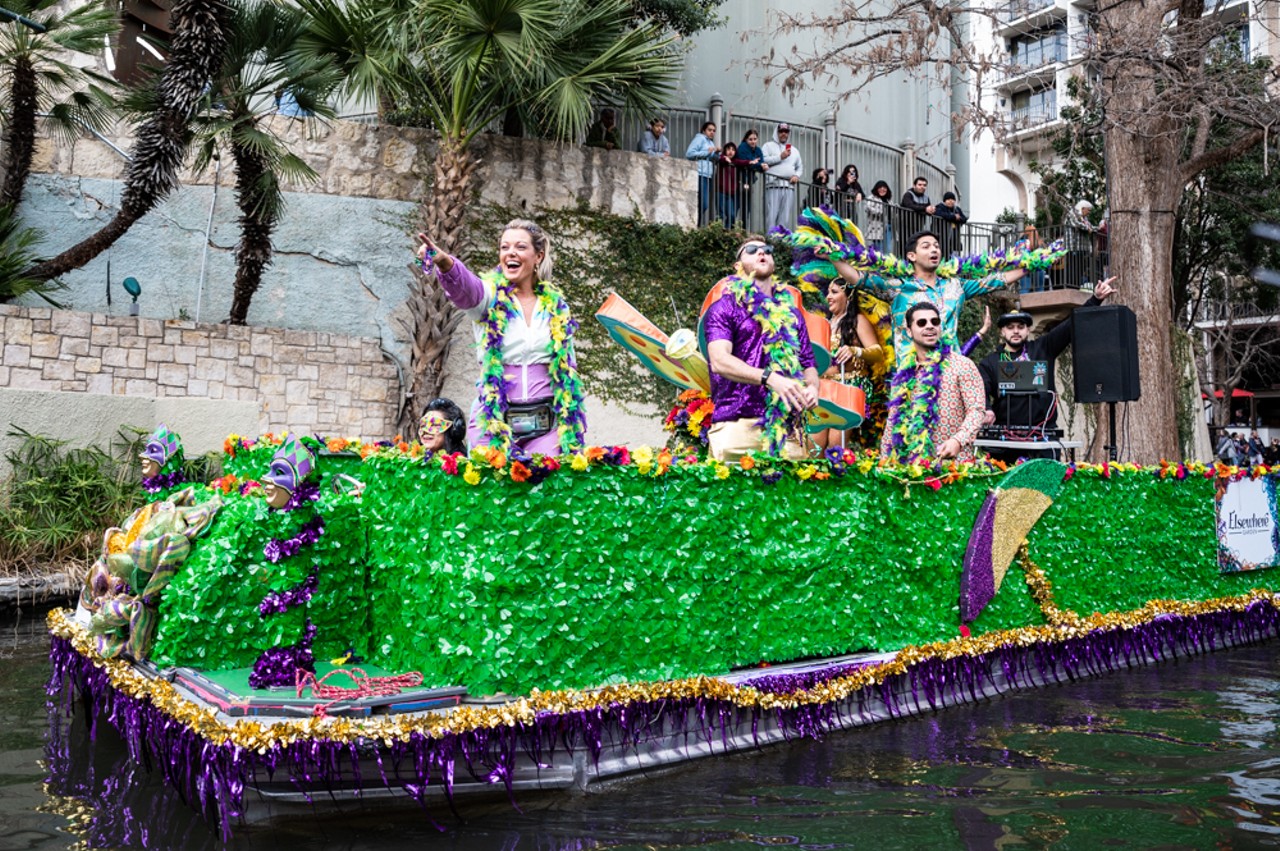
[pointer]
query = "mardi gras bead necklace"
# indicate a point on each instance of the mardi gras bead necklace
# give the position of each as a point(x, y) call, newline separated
point(913, 405)
point(566, 386)
point(779, 327)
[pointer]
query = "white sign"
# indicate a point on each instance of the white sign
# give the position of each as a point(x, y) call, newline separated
point(1247, 525)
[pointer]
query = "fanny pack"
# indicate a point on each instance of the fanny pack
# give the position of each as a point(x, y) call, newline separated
point(530, 419)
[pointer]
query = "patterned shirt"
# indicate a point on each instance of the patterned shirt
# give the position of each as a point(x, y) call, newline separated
point(961, 405)
point(947, 294)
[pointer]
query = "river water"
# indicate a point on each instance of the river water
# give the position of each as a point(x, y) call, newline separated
point(1181, 755)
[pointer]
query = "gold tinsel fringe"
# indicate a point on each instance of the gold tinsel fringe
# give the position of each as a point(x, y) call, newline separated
point(256, 736)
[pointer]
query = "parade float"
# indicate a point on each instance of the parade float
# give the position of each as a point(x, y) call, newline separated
point(331, 620)
point(338, 623)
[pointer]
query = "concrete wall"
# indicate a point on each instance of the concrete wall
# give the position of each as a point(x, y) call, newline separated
point(342, 252)
point(343, 246)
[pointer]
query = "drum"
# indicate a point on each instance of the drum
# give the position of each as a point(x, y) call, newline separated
point(840, 406)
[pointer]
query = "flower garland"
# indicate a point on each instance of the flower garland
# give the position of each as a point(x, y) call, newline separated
point(913, 405)
point(279, 666)
point(566, 386)
point(690, 420)
point(276, 550)
point(779, 327)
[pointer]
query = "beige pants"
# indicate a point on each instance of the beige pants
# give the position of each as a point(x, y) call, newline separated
point(732, 439)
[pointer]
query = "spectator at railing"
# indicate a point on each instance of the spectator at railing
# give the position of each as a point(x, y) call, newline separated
point(655, 143)
point(785, 169)
point(729, 183)
point(604, 132)
point(819, 194)
point(879, 231)
point(1029, 241)
point(848, 191)
point(953, 216)
point(751, 161)
point(1079, 245)
point(916, 199)
point(702, 149)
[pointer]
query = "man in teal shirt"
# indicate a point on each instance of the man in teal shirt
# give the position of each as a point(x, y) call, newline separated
point(924, 253)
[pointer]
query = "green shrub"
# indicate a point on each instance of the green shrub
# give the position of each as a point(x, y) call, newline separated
point(59, 500)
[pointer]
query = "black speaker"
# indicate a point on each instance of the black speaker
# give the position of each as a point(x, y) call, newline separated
point(1105, 354)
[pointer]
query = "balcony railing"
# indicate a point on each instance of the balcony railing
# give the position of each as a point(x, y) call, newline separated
point(1016, 9)
point(737, 200)
point(1026, 117)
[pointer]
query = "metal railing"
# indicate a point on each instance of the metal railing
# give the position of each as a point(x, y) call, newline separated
point(1015, 9)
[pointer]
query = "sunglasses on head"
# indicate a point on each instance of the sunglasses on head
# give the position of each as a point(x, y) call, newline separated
point(924, 323)
point(757, 248)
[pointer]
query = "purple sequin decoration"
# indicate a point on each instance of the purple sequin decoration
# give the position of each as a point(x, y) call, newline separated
point(306, 492)
point(162, 481)
point(276, 550)
point(279, 666)
point(212, 777)
point(978, 579)
point(279, 602)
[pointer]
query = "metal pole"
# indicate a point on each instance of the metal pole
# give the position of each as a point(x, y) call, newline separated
point(208, 229)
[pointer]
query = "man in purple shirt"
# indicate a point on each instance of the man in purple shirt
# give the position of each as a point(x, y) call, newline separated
point(742, 375)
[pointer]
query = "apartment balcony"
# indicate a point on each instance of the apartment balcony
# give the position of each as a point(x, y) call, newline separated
point(1033, 72)
point(1017, 17)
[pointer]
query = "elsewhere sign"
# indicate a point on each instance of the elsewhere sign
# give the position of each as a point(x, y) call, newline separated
point(1248, 524)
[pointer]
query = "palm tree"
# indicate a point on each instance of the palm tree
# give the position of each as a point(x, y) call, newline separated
point(40, 79)
point(259, 66)
point(195, 53)
point(17, 252)
point(464, 63)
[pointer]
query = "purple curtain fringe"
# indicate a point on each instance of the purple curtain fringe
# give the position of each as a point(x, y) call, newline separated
point(213, 778)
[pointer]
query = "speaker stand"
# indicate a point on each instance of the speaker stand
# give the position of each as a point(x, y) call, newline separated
point(1113, 448)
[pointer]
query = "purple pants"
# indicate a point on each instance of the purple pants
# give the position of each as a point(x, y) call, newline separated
point(521, 384)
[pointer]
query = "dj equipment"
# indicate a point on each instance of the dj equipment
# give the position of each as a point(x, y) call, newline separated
point(1019, 433)
point(1022, 376)
point(1106, 354)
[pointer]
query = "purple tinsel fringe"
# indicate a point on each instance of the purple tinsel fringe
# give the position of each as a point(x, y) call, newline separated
point(212, 777)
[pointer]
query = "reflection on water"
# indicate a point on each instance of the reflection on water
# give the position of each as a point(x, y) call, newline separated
point(1185, 755)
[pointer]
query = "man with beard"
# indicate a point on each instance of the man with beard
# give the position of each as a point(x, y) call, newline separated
point(1039, 409)
point(763, 374)
point(935, 398)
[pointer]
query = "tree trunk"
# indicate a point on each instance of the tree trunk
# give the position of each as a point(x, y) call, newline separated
point(1142, 148)
point(20, 135)
point(257, 221)
point(195, 53)
point(432, 317)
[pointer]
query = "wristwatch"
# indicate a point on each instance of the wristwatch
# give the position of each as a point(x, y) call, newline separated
point(765, 373)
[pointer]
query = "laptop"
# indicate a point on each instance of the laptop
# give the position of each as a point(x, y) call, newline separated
point(1022, 376)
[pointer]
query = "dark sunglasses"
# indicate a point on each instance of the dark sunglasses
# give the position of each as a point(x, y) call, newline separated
point(757, 249)
point(924, 323)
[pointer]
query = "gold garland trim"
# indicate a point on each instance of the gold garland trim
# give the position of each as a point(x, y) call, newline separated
point(256, 736)
point(1042, 591)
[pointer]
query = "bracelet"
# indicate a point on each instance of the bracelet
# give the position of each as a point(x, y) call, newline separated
point(428, 261)
point(764, 375)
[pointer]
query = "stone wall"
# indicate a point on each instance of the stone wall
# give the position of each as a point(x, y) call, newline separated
point(301, 380)
point(339, 271)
